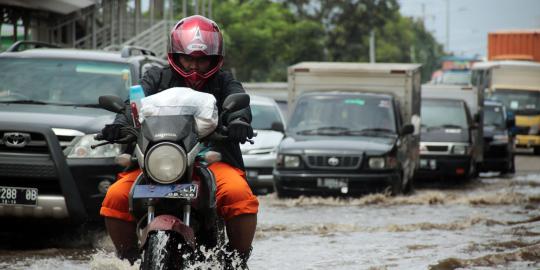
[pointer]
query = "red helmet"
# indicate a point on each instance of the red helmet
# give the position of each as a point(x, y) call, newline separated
point(195, 36)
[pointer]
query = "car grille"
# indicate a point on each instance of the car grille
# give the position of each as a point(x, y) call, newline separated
point(343, 162)
point(36, 145)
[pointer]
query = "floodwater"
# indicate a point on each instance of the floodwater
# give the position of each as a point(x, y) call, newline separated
point(490, 223)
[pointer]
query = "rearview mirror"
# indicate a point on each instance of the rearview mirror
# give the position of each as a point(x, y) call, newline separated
point(112, 103)
point(407, 129)
point(235, 102)
point(278, 126)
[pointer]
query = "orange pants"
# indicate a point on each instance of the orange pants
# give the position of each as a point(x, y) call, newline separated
point(234, 197)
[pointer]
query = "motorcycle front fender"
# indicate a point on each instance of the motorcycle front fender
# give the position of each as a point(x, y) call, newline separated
point(169, 223)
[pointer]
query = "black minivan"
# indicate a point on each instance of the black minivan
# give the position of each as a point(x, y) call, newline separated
point(498, 140)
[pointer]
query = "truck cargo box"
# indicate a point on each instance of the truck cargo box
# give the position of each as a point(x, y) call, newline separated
point(514, 45)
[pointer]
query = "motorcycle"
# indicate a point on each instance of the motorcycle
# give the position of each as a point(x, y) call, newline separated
point(173, 199)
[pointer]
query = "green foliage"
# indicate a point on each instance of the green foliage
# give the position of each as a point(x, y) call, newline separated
point(262, 38)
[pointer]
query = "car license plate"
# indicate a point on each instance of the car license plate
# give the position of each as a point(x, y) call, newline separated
point(333, 183)
point(18, 195)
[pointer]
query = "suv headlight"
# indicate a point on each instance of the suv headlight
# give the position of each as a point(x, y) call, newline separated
point(165, 162)
point(459, 149)
point(80, 148)
point(382, 162)
point(500, 138)
point(287, 161)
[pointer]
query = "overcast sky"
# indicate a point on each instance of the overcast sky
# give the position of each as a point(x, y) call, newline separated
point(471, 20)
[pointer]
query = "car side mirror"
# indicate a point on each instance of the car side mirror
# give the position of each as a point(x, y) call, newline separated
point(235, 102)
point(112, 103)
point(407, 129)
point(278, 126)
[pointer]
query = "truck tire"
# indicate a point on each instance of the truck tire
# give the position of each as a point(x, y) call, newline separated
point(536, 150)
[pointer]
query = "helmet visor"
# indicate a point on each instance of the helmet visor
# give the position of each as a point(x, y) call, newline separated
point(196, 41)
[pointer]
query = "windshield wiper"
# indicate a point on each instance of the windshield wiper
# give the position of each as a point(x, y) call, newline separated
point(445, 126)
point(24, 101)
point(330, 130)
point(83, 105)
point(376, 131)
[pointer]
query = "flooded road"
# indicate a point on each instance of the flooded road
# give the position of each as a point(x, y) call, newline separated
point(490, 223)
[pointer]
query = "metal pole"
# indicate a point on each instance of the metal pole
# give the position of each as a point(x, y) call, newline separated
point(94, 43)
point(196, 5)
point(372, 46)
point(137, 16)
point(447, 25)
point(152, 6)
point(210, 9)
point(112, 21)
point(184, 8)
point(203, 8)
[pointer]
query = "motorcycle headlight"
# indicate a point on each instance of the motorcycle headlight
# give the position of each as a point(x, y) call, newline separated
point(80, 148)
point(459, 149)
point(500, 138)
point(165, 162)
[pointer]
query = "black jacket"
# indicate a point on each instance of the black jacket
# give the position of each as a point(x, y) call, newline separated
point(220, 85)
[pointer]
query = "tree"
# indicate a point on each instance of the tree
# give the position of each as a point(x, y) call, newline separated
point(262, 38)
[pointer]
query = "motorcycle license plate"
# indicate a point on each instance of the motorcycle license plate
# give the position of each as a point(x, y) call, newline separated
point(18, 195)
point(333, 183)
point(182, 191)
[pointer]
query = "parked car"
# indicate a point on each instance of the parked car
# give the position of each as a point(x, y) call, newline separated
point(49, 115)
point(259, 158)
point(498, 141)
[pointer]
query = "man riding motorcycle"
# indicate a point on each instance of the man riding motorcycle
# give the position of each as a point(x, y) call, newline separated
point(195, 55)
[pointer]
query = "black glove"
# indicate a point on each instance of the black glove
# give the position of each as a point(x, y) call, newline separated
point(112, 132)
point(239, 130)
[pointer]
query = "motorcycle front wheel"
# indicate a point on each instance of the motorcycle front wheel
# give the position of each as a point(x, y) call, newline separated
point(165, 250)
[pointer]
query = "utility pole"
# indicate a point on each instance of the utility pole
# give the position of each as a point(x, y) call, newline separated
point(372, 46)
point(448, 25)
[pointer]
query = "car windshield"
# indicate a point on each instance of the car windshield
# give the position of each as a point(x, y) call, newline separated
point(61, 81)
point(456, 77)
point(493, 116)
point(366, 115)
point(515, 100)
point(443, 114)
point(264, 116)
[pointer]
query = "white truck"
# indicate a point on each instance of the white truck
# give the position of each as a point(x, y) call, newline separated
point(517, 85)
point(354, 128)
point(451, 144)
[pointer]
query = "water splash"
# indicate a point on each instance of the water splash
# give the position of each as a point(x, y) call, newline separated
point(425, 197)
